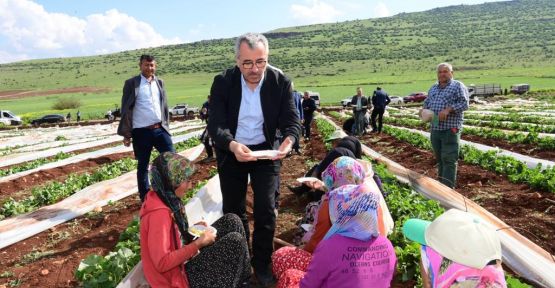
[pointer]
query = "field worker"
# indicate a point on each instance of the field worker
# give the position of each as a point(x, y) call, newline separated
point(145, 118)
point(380, 100)
point(309, 106)
point(360, 107)
point(448, 98)
point(171, 255)
point(458, 250)
point(249, 102)
point(353, 252)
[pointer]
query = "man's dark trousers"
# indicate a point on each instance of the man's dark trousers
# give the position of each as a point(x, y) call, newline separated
point(144, 139)
point(377, 112)
point(264, 180)
point(307, 122)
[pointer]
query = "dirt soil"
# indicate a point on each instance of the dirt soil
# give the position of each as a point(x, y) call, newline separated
point(60, 249)
point(20, 187)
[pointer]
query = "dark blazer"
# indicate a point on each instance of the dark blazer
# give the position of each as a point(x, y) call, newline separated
point(130, 91)
point(278, 107)
point(380, 99)
point(309, 106)
point(363, 102)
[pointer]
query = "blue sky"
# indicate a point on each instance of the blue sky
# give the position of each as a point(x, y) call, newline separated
point(59, 28)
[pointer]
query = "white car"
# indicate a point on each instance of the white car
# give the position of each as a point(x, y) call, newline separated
point(183, 109)
point(396, 100)
point(346, 102)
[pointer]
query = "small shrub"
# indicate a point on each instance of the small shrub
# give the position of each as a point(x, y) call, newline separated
point(66, 103)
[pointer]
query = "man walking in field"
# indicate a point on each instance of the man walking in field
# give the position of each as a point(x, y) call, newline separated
point(249, 102)
point(380, 100)
point(360, 107)
point(145, 118)
point(448, 99)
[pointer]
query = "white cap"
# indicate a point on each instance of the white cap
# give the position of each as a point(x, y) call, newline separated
point(459, 236)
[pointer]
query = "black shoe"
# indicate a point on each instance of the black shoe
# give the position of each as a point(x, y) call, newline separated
point(264, 277)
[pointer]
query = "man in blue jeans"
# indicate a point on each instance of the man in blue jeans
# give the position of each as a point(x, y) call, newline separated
point(448, 98)
point(145, 118)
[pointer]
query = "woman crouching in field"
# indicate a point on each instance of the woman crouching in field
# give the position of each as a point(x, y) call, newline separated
point(171, 257)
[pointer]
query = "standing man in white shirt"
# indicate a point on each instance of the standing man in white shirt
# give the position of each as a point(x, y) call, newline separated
point(145, 118)
point(248, 104)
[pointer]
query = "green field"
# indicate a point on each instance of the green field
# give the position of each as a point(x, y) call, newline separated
point(503, 42)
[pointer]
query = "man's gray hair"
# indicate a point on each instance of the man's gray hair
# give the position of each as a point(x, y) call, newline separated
point(252, 39)
point(445, 64)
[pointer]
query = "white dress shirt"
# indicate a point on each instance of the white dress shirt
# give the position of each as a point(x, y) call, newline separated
point(250, 129)
point(147, 110)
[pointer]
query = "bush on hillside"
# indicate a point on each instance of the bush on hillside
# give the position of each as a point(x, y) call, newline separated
point(66, 103)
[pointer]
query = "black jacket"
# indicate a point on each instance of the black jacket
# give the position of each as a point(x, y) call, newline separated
point(130, 90)
point(363, 102)
point(380, 99)
point(278, 107)
point(348, 146)
point(309, 106)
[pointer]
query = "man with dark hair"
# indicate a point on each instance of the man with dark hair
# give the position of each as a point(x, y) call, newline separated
point(249, 103)
point(145, 118)
point(205, 137)
point(309, 106)
point(360, 106)
point(380, 100)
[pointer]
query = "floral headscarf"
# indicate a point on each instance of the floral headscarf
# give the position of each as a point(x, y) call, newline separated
point(343, 171)
point(353, 212)
point(168, 171)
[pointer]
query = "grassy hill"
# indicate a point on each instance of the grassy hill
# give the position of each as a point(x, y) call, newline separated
point(501, 42)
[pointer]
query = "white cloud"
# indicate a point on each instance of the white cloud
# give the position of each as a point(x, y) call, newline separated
point(32, 32)
point(315, 11)
point(381, 10)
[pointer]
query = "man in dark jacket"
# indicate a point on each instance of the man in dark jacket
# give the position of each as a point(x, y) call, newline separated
point(145, 118)
point(298, 104)
point(380, 100)
point(249, 102)
point(360, 107)
point(309, 106)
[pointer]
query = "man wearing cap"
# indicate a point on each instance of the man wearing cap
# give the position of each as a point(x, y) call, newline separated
point(145, 118)
point(448, 99)
point(380, 100)
point(457, 248)
point(249, 103)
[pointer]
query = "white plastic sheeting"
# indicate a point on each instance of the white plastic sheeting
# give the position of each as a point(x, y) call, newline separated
point(519, 253)
point(206, 203)
point(531, 162)
point(23, 226)
point(94, 154)
point(30, 156)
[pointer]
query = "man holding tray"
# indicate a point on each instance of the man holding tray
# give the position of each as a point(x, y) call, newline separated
point(249, 102)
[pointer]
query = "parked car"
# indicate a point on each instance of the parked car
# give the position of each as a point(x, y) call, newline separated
point(415, 97)
point(520, 88)
point(346, 102)
point(183, 109)
point(51, 118)
point(396, 100)
point(8, 118)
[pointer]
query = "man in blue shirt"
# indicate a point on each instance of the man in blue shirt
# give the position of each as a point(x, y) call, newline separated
point(380, 100)
point(448, 99)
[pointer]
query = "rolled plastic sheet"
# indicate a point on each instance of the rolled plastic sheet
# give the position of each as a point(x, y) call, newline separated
point(15, 229)
point(18, 158)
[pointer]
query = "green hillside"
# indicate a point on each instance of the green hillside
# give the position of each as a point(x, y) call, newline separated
point(501, 42)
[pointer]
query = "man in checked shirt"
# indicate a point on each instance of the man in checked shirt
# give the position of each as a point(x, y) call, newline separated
point(448, 98)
